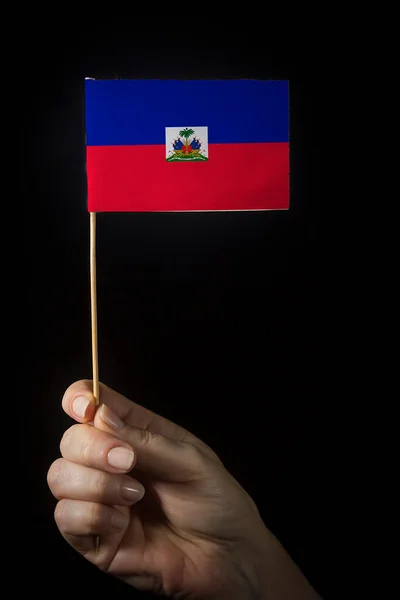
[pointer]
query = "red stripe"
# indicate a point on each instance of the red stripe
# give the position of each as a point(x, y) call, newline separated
point(235, 177)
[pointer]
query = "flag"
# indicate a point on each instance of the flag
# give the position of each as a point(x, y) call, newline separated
point(191, 145)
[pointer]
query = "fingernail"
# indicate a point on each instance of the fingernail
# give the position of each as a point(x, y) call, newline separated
point(133, 492)
point(79, 406)
point(121, 458)
point(110, 418)
point(118, 520)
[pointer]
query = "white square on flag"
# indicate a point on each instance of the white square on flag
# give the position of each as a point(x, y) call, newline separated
point(186, 144)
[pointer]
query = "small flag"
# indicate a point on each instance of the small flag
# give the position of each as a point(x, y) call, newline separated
point(191, 145)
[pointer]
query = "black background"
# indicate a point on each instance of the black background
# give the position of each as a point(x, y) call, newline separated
point(216, 321)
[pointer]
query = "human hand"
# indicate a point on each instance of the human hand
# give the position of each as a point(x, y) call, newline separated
point(170, 517)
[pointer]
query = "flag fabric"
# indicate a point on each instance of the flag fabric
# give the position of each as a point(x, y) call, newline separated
point(190, 145)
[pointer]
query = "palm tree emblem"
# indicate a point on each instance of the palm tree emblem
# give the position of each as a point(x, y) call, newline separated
point(186, 133)
point(187, 146)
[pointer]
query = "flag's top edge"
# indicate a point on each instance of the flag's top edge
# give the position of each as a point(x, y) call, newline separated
point(176, 79)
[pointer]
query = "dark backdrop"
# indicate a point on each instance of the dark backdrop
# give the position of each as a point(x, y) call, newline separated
point(216, 321)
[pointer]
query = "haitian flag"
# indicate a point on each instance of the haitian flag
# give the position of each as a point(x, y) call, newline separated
point(187, 145)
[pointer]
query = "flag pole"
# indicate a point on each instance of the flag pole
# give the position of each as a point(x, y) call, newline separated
point(93, 302)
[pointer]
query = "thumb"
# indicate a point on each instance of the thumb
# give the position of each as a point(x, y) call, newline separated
point(156, 454)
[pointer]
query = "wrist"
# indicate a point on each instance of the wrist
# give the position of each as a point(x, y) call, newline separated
point(275, 575)
point(265, 571)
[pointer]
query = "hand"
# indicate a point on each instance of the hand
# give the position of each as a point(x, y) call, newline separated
point(170, 518)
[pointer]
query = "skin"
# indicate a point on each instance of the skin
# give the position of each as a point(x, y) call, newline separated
point(170, 519)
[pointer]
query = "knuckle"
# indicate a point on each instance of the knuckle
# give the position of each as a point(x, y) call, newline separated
point(101, 485)
point(95, 517)
point(77, 442)
point(86, 447)
point(68, 437)
point(146, 436)
point(195, 458)
point(53, 474)
point(61, 514)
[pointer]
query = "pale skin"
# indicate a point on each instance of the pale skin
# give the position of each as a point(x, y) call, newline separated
point(168, 516)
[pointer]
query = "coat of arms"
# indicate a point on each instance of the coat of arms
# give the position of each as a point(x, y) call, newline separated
point(184, 144)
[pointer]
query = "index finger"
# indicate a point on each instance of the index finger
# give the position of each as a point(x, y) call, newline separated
point(78, 402)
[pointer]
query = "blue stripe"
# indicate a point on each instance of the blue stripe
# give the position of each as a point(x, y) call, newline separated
point(128, 112)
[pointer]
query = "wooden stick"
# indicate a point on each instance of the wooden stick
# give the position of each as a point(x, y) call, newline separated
point(93, 302)
point(93, 298)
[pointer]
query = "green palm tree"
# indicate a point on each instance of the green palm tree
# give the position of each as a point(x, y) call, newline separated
point(186, 133)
